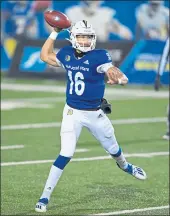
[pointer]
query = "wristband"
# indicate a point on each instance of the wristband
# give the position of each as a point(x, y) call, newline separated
point(53, 35)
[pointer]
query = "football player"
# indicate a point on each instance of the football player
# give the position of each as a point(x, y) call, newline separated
point(152, 21)
point(86, 68)
point(100, 17)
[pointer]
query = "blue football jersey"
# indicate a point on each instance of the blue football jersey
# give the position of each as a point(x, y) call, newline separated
point(85, 86)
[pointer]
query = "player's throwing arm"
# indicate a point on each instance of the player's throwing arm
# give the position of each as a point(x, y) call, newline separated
point(58, 21)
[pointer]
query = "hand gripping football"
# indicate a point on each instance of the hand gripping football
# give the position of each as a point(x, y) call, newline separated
point(57, 19)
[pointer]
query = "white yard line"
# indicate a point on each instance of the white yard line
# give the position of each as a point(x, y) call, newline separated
point(40, 99)
point(58, 124)
point(136, 93)
point(7, 105)
point(32, 88)
point(130, 211)
point(62, 89)
point(12, 147)
point(142, 155)
point(29, 126)
point(22, 146)
point(81, 150)
point(138, 120)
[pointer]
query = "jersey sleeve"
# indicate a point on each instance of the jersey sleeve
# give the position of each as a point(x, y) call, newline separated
point(58, 62)
point(104, 61)
point(104, 67)
point(60, 57)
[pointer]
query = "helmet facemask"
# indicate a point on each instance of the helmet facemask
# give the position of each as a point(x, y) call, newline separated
point(83, 37)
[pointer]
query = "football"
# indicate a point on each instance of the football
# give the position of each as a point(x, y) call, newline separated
point(57, 19)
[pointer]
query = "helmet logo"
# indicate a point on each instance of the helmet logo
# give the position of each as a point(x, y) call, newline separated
point(85, 23)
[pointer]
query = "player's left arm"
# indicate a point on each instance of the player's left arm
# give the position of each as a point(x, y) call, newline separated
point(116, 76)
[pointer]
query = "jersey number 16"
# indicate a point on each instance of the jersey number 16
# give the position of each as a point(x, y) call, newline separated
point(77, 84)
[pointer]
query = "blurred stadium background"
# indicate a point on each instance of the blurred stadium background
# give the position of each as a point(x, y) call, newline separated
point(32, 99)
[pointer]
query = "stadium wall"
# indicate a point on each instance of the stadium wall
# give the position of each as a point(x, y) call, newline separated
point(139, 61)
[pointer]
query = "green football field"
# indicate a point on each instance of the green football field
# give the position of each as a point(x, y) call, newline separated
point(91, 183)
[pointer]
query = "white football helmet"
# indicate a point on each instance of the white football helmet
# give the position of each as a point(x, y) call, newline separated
point(82, 28)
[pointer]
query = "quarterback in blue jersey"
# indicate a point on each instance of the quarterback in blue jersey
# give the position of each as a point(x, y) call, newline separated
point(86, 68)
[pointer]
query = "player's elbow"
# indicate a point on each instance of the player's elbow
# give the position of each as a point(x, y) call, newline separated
point(43, 57)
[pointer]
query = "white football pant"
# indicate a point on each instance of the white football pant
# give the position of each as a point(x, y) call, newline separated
point(95, 121)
